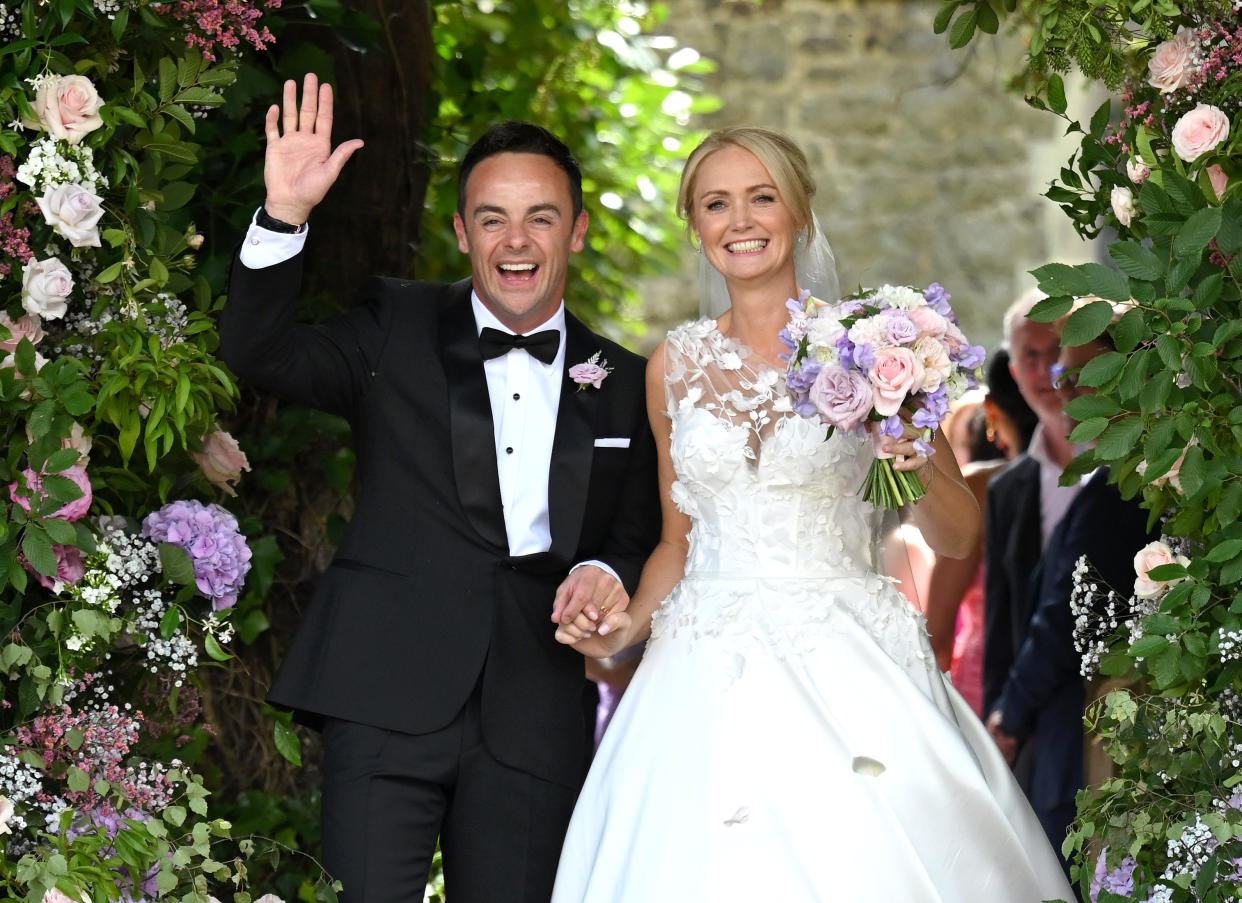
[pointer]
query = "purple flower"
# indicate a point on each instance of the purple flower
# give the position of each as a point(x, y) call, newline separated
point(924, 448)
point(925, 419)
point(901, 329)
point(864, 357)
point(845, 351)
point(937, 402)
point(209, 534)
point(938, 299)
point(892, 426)
point(842, 397)
point(1119, 880)
point(800, 380)
point(972, 356)
point(787, 339)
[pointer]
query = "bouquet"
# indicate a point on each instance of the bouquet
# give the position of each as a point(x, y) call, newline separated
point(864, 359)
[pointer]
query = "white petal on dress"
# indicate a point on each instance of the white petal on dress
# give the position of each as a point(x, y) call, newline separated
point(787, 736)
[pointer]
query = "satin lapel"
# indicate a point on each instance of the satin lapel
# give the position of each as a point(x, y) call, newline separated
point(470, 423)
point(572, 446)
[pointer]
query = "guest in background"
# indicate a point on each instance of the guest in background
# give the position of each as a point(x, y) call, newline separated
point(1042, 700)
point(995, 427)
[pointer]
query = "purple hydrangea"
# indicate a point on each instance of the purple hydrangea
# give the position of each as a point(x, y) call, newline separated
point(1118, 880)
point(210, 536)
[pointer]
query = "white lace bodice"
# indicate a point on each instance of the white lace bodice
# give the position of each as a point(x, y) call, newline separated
point(767, 494)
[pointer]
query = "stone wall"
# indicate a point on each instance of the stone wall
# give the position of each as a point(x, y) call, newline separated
point(928, 168)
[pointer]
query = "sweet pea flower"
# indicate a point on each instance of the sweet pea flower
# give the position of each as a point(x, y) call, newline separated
point(46, 286)
point(221, 460)
point(1199, 131)
point(27, 326)
point(1123, 204)
point(68, 107)
point(1170, 66)
point(74, 213)
point(1152, 556)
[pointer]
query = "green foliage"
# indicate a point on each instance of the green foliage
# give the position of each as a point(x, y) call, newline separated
point(1166, 418)
point(596, 77)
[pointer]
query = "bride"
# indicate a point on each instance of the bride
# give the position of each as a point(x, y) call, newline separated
point(787, 736)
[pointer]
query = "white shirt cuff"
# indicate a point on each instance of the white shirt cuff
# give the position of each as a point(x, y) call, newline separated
point(265, 248)
point(599, 564)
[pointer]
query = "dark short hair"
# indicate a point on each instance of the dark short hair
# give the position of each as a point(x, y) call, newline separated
point(517, 137)
point(1003, 390)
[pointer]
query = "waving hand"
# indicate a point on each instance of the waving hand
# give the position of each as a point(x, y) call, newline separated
point(300, 165)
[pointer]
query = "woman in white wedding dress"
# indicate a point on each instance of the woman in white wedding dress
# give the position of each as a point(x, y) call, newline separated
point(787, 736)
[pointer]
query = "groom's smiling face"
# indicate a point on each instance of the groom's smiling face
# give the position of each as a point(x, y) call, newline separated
point(519, 229)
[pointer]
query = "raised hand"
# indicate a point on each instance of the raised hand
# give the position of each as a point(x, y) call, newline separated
point(300, 164)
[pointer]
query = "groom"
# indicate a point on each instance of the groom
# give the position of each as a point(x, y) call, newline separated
point(498, 495)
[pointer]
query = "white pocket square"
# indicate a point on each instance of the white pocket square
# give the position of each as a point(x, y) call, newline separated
point(618, 442)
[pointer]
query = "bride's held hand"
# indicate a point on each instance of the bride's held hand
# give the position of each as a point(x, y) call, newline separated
point(905, 454)
point(597, 639)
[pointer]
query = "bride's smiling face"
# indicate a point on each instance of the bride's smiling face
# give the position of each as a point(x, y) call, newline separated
point(742, 222)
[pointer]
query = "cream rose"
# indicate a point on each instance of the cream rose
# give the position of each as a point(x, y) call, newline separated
point(895, 374)
point(26, 326)
point(46, 285)
point(1199, 131)
point(1123, 204)
point(68, 107)
point(1171, 64)
point(1152, 556)
point(221, 460)
point(74, 213)
point(932, 355)
point(1138, 171)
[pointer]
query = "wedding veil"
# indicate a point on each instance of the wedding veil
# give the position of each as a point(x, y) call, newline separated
point(814, 266)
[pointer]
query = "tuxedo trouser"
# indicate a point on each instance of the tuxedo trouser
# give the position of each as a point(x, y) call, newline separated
point(387, 796)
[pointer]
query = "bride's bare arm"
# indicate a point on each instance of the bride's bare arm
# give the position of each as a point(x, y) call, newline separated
point(948, 515)
point(667, 564)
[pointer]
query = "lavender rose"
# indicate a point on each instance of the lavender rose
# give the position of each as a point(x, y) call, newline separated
point(842, 397)
point(68, 107)
point(901, 329)
point(46, 286)
point(74, 213)
point(588, 374)
point(1199, 132)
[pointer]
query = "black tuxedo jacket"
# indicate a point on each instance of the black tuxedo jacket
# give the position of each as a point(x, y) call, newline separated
point(1043, 698)
point(423, 597)
point(1012, 547)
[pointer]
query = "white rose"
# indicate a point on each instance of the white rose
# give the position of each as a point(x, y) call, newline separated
point(1171, 64)
point(74, 213)
point(1137, 170)
point(46, 285)
point(935, 360)
point(1152, 556)
point(1123, 204)
point(6, 813)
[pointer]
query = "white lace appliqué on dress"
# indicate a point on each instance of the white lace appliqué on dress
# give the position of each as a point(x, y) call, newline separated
point(781, 542)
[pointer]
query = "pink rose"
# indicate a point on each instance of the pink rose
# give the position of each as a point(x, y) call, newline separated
point(70, 511)
point(929, 322)
point(1152, 556)
point(1137, 170)
point(74, 213)
point(1219, 180)
point(221, 460)
point(69, 568)
point(895, 374)
point(1171, 64)
point(68, 107)
point(27, 326)
point(842, 397)
point(1199, 131)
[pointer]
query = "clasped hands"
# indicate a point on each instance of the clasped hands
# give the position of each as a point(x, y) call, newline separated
point(589, 610)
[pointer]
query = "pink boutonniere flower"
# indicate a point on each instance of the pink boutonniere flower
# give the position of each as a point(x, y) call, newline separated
point(592, 372)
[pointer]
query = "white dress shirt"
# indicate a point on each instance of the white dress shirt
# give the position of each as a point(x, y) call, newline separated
point(1054, 499)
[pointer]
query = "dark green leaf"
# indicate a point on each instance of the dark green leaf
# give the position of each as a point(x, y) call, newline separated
point(1055, 93)
point(1136, 261)
point(1120, 439)
point(1105, 282)
point(287, 742)
point(963, 29)
point(1061, 279)
point(1088, 322)
point(176, 564)
point(1200, 229)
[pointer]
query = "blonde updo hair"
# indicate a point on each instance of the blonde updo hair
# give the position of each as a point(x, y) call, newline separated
point(783, 160)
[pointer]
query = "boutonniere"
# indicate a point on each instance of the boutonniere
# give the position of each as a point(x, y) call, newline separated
point(590, 373)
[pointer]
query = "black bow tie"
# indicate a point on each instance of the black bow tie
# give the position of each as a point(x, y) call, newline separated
point(541, 345)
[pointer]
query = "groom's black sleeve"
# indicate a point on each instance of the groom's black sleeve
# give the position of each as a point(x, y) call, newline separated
point(327, 365)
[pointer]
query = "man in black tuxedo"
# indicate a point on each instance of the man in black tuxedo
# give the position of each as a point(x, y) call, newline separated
point(1042, 700)
point(499, 495)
